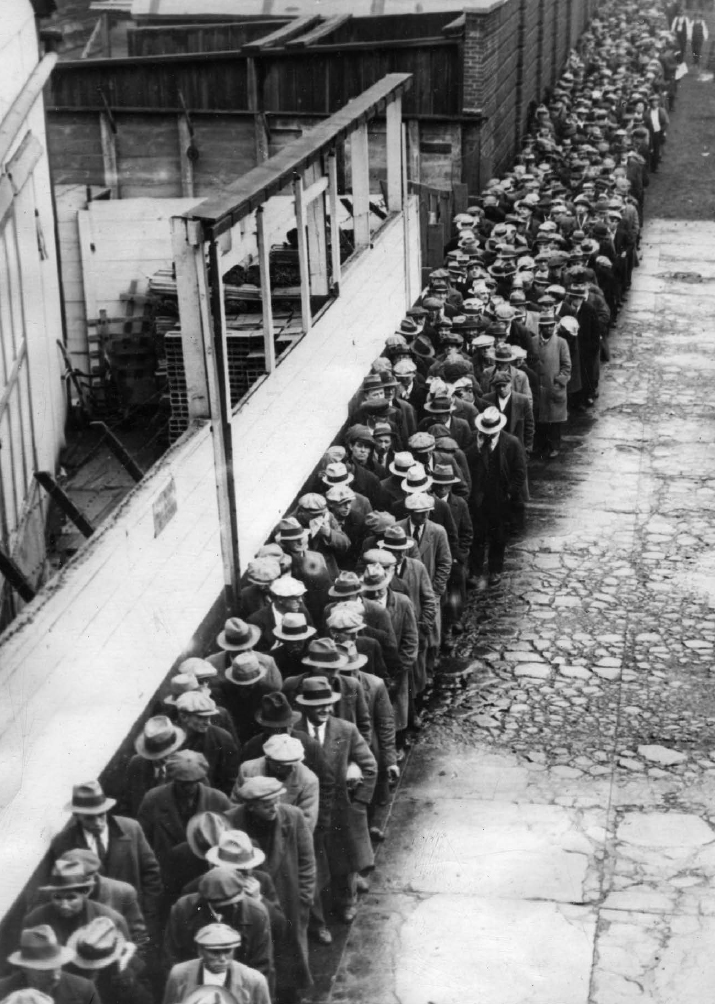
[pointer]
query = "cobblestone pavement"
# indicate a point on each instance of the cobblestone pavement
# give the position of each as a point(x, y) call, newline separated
point(554, 836)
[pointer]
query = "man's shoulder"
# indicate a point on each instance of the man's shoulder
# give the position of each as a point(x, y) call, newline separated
point(183, 969)
point(253, 768)
point(125, 826)
point(246, 975)
point(117, 888)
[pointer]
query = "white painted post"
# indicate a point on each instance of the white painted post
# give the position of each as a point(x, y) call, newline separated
point(269, 348)
point(188, 251)
point(317, 238)
point(109, 155)
point(395, 158)
point(360, 170)
point(306, 314)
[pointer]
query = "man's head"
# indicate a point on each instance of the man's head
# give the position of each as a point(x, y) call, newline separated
point(345, 621)
point(186, 769)
point(41, 958)
point(502, 382)
point(89, 806)
point(69, 888)
point(375, 581)
point(443, 480)
point(195, 710)
point(287, 594)
point(317, 698)
point(282, 754)
point(261, 796)
point(340, 501)
point(489, 424)
point(215, 945)
point(419, 505)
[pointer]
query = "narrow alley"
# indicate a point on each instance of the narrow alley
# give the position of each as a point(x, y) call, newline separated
point(554, 836)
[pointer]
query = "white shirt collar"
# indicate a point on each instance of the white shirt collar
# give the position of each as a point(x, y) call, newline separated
point(214, 979)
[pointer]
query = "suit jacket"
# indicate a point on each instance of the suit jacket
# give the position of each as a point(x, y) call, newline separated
point(130, 858)
point(290, 861)
point(249, 917)
point(434, 554)
point(510, 485)
point(265, 619)
point(521, 417)
point(413, 575)
point(441, 515)
point(70, 989)
point(519, 381)
point(122, 897)
point(301, 787)
point(351, 707)
point(459, 429)
point(382, 717)
point(63, 928)
point(252, 599)
point(221, 752)
point(246, 985)
point(159, 816)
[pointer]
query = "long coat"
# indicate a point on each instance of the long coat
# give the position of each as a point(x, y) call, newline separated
point(302, 788)
point(510, 486)
point(434, 554)
point(382, 717)
point(348, 842)
point(402, 612)
point(554, 370)
point(130, 858)
point(290, 861)
point(159, 816)
point(520, 419)
point(71, 989)
point(220, 750)
point(247, 986)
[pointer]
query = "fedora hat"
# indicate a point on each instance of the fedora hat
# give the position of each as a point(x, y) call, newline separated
point(490, 421)
point(503, 354)
point(422, 346)
point(323, 652)
point(203, 831)
point(275, 712)
point(159, 738)
point(293, 627)
point(217, 936)
point(291, 529)
point(235, 849)
point(374, 578)
point(408, 328)
point(88, 859)
point(237, 635)
point(346, 584)
point(68, 874)
point(443, 474)
point(97, 945)
point(439, 405)
point(337, 474)
point(395, 539)
point(245, 670)
point(39, 949)
point(419, 502)
point(417, 480)
point(182, 683)
point(316, 691)
point(400, 464)
point(89, 799)
point(356, 660)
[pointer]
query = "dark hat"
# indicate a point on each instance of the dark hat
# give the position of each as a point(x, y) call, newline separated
point(422, 346)
point(324, 653)
point(316, 691)
point(501, 378)
point(443, 474)
point(440, 405)
point(275, 712)
point(40, 949)
point(68, 874)
point(238, 635)
point(89, 799)
point(347, 584)
point(395, 539)
point(222, 886)
point(97, 945)
point(359, 434)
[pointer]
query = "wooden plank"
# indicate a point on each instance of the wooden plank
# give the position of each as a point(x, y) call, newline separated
point(86, 246)
point(21, 107)
point(12, 376)
point(269, 349)
point(360, 173)
point(287, 31)
point(334, 219)
point(23, 161)
point(109, 155)
point(300, 221)
point(188, 258)
point(321, 31)
point(313, 191)
point(394, 155)
point(187, 163)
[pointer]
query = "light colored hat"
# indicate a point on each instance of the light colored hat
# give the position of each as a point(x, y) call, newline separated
point(378, 556)
point(356, 660)
point(340, 493)
point(235, 849)
point(263, 570)
point(291, 529)
point(200, 668)
point(255, 788)
point(97, 945)
point(345, 617)
point(27, 996)
point(374, 578)
point(401, 464)
point(187, 765)
point(396, 539)
point(246, 669)
point(159, 738)
point(417, 480)
point(316, 692)
point(182, 683)
point(89, 799)
point(419, 502)
point(404, 367)
point(287, 588)
point(39, 949)
point(68, 874)
point(217, 936)
point(346, 584)
point(312, 502)
point(293, 627)
point(238, 635)
point(88, 859)
point(284, 749)
point(490, 421)
point(203, 831)
point(337, 474)
point(196, 702)
point(421, 442)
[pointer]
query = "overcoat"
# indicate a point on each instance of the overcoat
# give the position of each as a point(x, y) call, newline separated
point(402, 612)
point(246, 985)
point(434, 553)
point(352, 706)
point(159, 816)
point(302, 788)
point(382, 717)
point(553, 367)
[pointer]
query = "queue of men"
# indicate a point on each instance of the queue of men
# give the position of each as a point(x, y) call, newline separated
point(246, 822)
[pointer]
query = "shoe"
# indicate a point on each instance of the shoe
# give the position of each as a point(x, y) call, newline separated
point(494, 579)
point(362, 884)
point(349, 914)
point(322, 935)
point(553, 453)
point(376, 834)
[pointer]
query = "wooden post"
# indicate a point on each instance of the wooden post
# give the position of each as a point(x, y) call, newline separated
point(334, 222)
point(300, 222)
point(406, 230)
point(394, 155)
point(269, 348)
point(188, 252)
point(106, 34)
point(109, 155)
point(360, 171)
point(187, 164)
point(317, 238)
point(414, 167)
point(213, 326)
point(255, 105)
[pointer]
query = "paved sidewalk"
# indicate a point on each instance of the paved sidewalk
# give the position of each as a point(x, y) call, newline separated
point(554, 838)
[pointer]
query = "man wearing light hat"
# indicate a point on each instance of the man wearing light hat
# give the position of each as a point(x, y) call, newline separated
point(39, 975)
point(165, 811)
point(341, 503)
point(147, 768)
point(222, 897)
point(325, 536)
point(283, 757)
point(196, 710)
point(287, 595)
point(104, 956)
point(283, 835)
point(119, 843)
point(346, 622)
point(259, 575)
point(216, 968)
point(69, 907)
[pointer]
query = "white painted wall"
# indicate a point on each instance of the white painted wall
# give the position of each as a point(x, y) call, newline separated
point(96, 643)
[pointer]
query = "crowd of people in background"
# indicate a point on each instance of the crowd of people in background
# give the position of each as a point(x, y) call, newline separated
point(247, 820)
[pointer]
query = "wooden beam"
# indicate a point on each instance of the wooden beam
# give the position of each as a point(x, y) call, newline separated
point(21, 107)
point(394, 155)
point(360, 171)
point(313, 191)
point(188, 251)
point(407, 236)
point(414, 167)
point(455, 27)
point(281, 35)
point(12, 376)
point(255, 105)
point(60, 496)
point(109, 155)
point(300, 221)
point(12, 572)
point(321, 31)
point(317, 236)
point(334, 219)
point(23, 161)
point(91, 41)
point(264, 268)
point(187, 165)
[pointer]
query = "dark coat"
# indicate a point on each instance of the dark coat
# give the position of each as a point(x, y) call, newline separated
point(520, 415)
point(510, 485)
point(434, 554)
point(465, 531)
point(221, 752)
point(243, 702)
point(441, 515)
point(265, 619)
point(290, 861)
point(122, 897)
point(125, 986)
point(70, 989)
point(140, 776)
point(130, 858)
point(64, 927)
point(252, 599)
point(459, 429)
point(249, 917)
point(382, 717)
point(402, 613)
point(161, 821)
point(351, 707)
